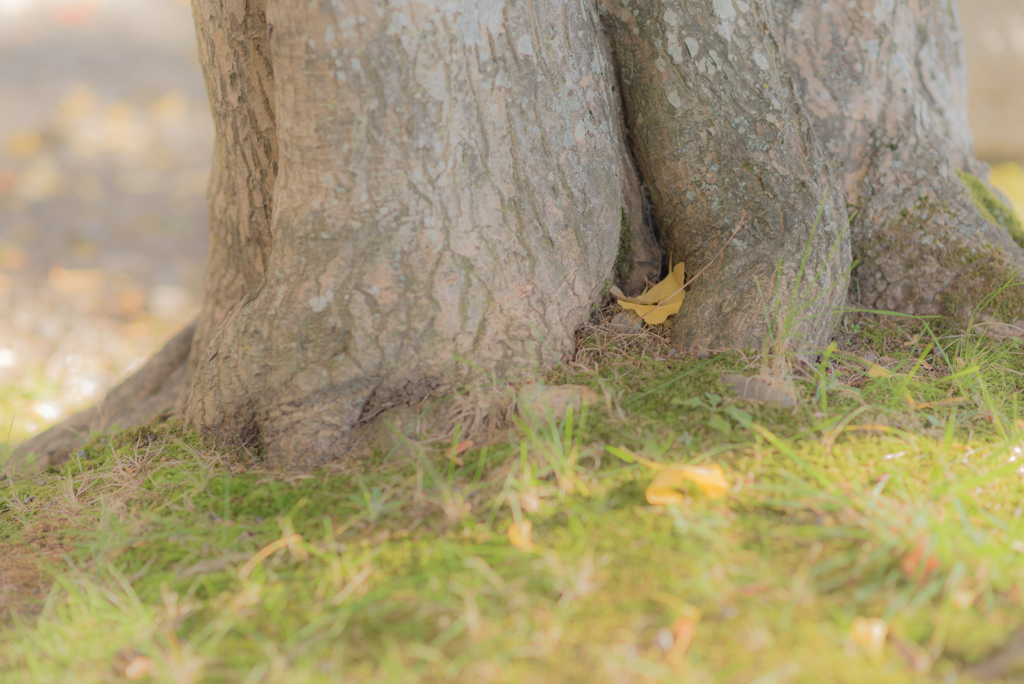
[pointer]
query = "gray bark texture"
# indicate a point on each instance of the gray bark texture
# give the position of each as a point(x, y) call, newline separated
point(452, 184)
point(727, 149)
point(885, 84)
point(234, 48)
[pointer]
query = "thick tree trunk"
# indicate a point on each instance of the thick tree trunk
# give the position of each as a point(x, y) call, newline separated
point(451, 190)
point(726, 147)
point(885, 84)
point(411, 198)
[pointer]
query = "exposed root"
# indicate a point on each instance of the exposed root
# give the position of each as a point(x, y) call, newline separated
point(146, 395)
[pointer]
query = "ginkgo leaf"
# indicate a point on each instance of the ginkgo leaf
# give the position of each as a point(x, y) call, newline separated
point(661, 492)
point(663, 489)
point(520, 534)
point(659, 302)
point(877, 371)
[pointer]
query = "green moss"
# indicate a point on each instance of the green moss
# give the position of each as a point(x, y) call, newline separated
point(624, 258)
point(991, 207)
point(984, 285)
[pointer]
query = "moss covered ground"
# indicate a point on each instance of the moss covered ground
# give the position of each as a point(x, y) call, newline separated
point(871, 533)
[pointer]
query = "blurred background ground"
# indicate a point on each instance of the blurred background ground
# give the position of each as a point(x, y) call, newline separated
point(105, 144)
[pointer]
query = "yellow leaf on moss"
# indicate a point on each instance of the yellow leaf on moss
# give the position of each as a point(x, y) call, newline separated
point(521, 535)
point(663, 489)
point(661, 301)
point(877, 371)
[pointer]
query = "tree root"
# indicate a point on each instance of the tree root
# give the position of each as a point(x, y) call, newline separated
point(146, 395)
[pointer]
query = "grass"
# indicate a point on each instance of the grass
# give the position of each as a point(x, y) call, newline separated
point(163, 559)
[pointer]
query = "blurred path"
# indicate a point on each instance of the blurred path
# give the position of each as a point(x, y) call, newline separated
point(105, 143)
point(994, 42)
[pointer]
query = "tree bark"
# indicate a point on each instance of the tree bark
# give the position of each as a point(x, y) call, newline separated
point(234, 48)
point(727, 149)
point(885, 83)
point(413, 198)
point(451, 190)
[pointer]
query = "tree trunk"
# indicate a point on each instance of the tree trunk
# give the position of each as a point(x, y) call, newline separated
point(727, 149)
point(413, 198)
point(234, 48)
point(451, 190)
point(886, 87)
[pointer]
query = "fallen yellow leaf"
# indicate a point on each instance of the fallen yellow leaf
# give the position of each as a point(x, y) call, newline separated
point(521, 535)
point(877, 371)
point(869, 634)
point(659, 302)
point(932, 404)
point(663, 488)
